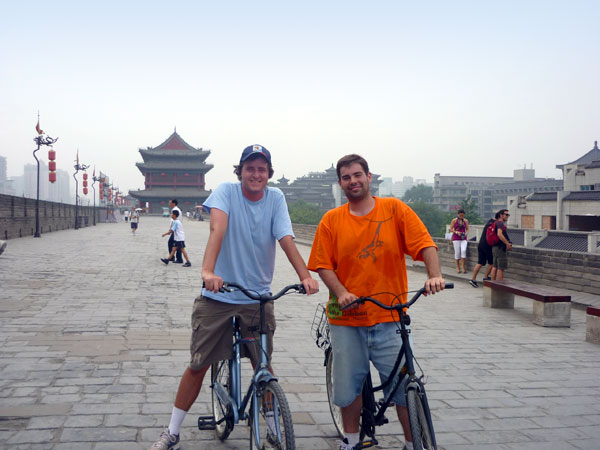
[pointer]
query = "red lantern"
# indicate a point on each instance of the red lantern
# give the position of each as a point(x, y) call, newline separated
point(52, 177)
point(85, 191)
point(52, 166)
point(84, 183)
point(84, 176)
point(51, 155)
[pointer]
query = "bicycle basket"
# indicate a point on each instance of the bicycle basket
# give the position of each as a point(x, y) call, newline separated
point(319, 329)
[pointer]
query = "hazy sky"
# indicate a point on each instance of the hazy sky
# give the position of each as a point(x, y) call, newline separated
point(455, 87)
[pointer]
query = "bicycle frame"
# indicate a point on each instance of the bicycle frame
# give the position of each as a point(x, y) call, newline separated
point(405, 377)
point(261, 371)
point(230, 396)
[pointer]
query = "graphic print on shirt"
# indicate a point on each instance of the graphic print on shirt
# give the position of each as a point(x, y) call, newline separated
point(369, 250)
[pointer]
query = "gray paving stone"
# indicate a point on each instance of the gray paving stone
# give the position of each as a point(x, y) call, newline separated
point(95, 365)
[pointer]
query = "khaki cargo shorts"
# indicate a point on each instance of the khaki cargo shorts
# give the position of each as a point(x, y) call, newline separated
point(500, 258)
point(212, 331)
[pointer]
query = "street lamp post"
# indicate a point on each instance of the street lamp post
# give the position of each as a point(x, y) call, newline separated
point(77, 167)
point(40, 140)
point(94, 178)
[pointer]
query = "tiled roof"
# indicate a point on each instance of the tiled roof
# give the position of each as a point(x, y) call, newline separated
point(516, 235)
point(593, 165)
point(592, 155)
point(185, 164)
point(542, 197)
point(583, 196)
point(181, 192)
point(565, 241)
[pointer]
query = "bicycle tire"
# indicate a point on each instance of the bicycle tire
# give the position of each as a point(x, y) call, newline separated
point(221, 372)
point(336, 412)
point(420, 427)
point(283, 436)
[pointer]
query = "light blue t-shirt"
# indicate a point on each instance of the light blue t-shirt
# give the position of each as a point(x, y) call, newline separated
point(247, 254)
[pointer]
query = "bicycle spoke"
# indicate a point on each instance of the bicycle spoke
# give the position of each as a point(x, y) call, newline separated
point(274, 422)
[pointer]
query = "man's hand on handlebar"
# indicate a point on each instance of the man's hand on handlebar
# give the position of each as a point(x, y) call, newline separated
point(212, 282)
point(346, 298)
point(311, 286)
point(433, 285)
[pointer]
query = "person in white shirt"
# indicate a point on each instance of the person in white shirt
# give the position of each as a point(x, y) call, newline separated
point(177, 259)
point(179, 237)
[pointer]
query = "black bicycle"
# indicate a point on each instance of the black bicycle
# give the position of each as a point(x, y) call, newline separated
point(373, 412)
point(269, 415)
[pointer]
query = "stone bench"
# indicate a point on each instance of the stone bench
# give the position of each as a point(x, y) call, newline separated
point(549, 308)
point(592, 333)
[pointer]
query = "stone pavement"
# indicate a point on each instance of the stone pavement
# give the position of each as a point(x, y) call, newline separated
point(94, 336)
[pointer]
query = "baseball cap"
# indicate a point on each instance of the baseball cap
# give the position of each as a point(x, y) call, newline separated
point(255, 149)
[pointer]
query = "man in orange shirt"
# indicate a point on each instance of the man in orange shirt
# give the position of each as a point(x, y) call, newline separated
point(359, 250)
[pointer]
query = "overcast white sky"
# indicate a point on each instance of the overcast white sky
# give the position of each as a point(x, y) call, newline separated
point(460, 88)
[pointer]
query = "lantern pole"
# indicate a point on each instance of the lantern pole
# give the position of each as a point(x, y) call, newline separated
point(94, 178)
point(40, 140)
point(77, 168)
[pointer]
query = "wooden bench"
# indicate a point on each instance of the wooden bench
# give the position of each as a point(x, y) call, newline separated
point(592, 333)
point(549, 308)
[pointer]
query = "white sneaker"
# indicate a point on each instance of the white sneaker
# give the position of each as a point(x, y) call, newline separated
point(343, 445)
point(166, 441)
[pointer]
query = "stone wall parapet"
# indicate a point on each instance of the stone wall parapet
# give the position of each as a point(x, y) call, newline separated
point(17, 216)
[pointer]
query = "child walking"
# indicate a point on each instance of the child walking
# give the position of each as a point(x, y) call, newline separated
point(179, 236)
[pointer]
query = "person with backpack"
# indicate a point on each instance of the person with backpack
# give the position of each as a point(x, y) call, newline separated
point(501, 244)
point(484, 254)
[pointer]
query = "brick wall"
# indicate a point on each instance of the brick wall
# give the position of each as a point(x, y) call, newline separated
point(568, 270)
point(17, 216)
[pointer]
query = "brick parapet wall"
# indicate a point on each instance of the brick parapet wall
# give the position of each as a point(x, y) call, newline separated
point(567, 270)
point(17, 216)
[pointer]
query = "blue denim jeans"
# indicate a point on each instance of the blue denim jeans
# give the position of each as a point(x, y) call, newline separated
point(353, 348)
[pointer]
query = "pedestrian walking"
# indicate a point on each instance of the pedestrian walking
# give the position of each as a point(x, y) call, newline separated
point(179, 239)
point(177, 259)
point(134, 220)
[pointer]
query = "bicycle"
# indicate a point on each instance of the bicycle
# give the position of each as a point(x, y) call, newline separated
point(373, 412)
point(268, 416)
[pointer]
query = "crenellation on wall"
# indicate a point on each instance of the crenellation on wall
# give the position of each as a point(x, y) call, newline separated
point(17, 216)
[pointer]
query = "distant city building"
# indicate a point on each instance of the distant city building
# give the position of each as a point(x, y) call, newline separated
point(4, 188)
point(575, 208)
point(174, 169)
point(319, 188)
point(489, 193)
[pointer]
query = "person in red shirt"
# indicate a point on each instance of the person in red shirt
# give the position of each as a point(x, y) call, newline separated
point(358, 250)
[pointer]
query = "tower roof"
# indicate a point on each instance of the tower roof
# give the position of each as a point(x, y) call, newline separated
point(588, 158)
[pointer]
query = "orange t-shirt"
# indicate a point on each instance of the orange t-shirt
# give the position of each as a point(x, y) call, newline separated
point(367, 255)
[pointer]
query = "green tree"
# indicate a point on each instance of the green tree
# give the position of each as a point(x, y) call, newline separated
point(434, 219)
point(419, 193)
point(305, 213)
point(470, 206)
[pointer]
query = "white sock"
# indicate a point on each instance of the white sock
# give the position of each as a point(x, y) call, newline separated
point(177, 417)
point(408, 445)
point(353, 438)
point(270, 417)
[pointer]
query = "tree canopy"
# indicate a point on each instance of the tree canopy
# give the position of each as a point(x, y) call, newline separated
point(419, 193)
point(305, 213)
point(434, 219)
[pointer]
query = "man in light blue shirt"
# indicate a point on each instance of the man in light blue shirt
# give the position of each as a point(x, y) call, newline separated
point(247, 219)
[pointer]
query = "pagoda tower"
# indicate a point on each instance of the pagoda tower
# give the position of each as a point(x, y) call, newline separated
point(173, 170)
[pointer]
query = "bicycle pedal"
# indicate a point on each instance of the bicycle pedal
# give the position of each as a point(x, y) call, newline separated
point(206, 423)
point(366, 444)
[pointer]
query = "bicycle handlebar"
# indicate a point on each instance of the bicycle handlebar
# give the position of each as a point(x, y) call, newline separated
point(398, 306)
point(231, 287)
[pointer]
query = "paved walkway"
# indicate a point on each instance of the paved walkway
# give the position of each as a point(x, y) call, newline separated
point(94, 336)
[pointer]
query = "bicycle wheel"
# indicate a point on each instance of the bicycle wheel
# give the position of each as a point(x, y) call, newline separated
point(421, 429)
point(274, 422)
point(336, 413)
point(221, 372)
